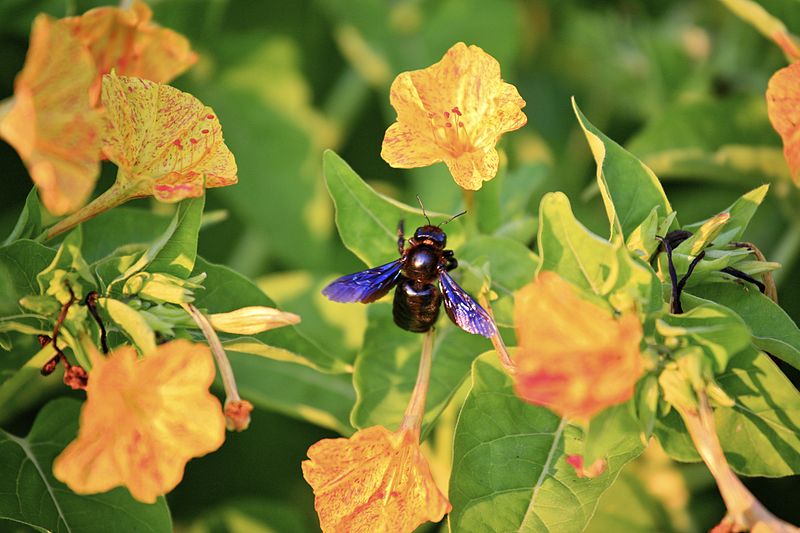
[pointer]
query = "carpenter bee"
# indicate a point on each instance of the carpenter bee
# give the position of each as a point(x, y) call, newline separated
point(418, 296)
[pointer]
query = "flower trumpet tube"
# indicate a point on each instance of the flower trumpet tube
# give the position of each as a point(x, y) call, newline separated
point(237, 411)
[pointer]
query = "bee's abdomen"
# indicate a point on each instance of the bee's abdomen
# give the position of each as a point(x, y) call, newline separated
point(416, 308)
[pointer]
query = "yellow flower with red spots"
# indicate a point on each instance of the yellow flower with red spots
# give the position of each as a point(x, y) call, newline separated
point(143, 420)
point(453, 111)
point(574, 357)
point(374, 481)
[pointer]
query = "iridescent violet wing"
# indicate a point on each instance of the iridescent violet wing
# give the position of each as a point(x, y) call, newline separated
point(463, 309)
point(365, 286)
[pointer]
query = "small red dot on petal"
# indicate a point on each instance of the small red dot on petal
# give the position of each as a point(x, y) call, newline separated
point(448, 125)
point(204, 131)
point(193, 140)
point(210, 117)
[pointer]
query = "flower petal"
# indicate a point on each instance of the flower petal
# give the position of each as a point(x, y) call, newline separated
point(125, 40)
point(143, 420)
point(374, 481)
point(473, 168)
point(783, 107)
point(165, 140)
point(574, 356)
point(402, 148)
point(50, 122)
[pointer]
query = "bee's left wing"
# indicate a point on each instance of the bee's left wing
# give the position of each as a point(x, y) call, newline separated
point(463, 309)
point(365, 286)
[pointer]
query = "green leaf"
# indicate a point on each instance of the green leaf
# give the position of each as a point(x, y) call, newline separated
point(505, 263)
point(121, 226)
point(29, 494)
point(611, 429)
point(386, 368)
point(773, 330)
point(29, 224)
point(227, 290)
point(178, 254)
point(68, 258)
point(367, 220)
point(296, 390)
point(741, 211)
point(630, 190)
point(718, 331)
point(728, 140)
point(629, 506)
point(131, 323)
point(509, 468)
point(760, 434)
point(581, 257)
point(20, 263)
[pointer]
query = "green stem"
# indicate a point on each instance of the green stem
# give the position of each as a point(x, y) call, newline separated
point(415, 412)
point(115, 195)
point(345, 100)
point(787, 250)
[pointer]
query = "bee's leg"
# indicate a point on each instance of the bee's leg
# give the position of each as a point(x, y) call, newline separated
point(401, 238)
point(452, 262)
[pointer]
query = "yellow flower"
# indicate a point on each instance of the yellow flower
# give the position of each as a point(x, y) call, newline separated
point(50, 122)
point(374, 481)
point(166, 142)
point(574, 356)
point(453, 111)
point(127, 41)
point(143, 420)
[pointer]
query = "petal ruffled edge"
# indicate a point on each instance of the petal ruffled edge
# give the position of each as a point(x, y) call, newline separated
point(473, 168)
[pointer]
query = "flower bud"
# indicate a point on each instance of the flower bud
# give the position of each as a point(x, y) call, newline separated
point(252, 320)
point(161, 288)
point(677, 390)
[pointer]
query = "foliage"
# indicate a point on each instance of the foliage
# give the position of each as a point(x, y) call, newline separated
point(681, 174)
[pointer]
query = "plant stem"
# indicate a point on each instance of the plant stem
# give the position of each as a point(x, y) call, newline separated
point(224, 365)
point(745, 512)
point(412, 418)
point(497, 340)
point(115, 195)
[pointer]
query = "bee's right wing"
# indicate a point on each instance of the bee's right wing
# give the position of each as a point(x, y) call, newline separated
point(365, 286)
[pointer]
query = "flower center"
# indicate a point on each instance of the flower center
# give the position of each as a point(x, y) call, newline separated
point(450, 133)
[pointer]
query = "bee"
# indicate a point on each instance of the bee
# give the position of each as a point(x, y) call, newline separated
point(422, 280)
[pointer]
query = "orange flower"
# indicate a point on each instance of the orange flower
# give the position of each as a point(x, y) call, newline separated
point(50, 122)
point(143, 420)
point(454, 111)
point(574, 356)
point(374, 481)
point(783, 107)
point(127, 41)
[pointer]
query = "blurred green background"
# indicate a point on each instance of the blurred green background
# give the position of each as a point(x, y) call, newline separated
point(680, 83)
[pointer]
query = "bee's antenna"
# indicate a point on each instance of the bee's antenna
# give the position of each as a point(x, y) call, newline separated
point(453, 218)
point(423, 210)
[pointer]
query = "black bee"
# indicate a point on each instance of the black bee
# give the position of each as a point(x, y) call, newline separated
point(417, 298)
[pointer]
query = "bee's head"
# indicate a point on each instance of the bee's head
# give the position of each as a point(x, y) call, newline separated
point(433, 234)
